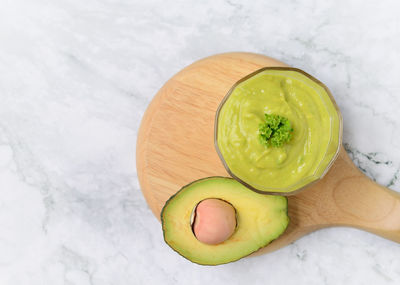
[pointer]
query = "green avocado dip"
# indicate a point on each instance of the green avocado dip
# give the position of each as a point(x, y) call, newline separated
point(309, 125)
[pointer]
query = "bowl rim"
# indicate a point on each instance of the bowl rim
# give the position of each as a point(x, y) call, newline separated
point(319, 177)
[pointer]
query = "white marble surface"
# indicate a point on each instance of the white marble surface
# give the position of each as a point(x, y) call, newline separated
point(75, 79)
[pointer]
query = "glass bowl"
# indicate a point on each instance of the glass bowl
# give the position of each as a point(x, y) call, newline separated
point(327, 155)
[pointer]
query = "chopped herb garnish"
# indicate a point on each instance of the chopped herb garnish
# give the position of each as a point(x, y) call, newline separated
point(275, 131)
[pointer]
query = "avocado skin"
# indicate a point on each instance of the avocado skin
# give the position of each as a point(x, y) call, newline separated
point(233, 260)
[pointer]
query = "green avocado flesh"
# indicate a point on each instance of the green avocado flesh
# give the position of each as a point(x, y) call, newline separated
point(314, 141)
point(260, 219)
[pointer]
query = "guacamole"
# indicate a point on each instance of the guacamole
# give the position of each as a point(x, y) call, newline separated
point(315, 137)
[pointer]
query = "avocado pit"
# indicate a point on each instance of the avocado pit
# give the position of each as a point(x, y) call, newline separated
point(214, 221)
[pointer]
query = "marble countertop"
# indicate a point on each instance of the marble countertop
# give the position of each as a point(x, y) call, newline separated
point(75, 79)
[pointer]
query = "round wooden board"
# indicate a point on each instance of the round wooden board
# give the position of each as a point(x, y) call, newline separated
point(176, 146)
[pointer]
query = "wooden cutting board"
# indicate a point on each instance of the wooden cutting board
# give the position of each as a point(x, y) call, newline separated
point(175, 146)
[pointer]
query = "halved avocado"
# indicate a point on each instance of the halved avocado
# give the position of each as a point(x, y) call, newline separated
point(260, 219)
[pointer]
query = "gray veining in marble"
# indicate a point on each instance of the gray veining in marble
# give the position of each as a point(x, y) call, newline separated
point(75, 79)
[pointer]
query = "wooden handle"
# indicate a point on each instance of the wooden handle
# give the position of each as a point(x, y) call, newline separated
point(365, 204)
point(349, 198)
